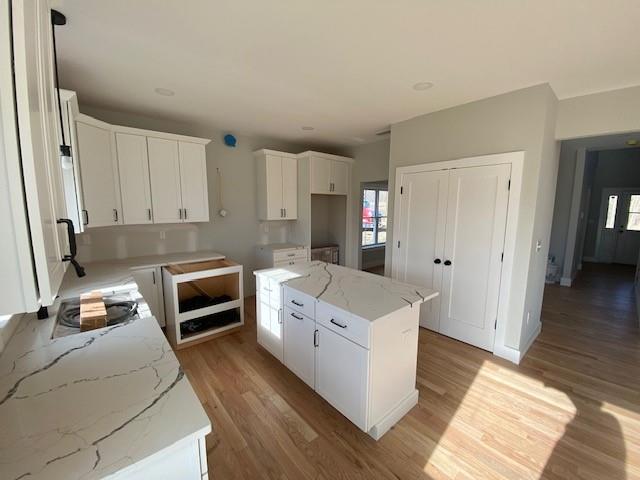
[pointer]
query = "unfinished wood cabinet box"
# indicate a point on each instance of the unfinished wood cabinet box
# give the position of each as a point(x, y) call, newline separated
point(202, 300)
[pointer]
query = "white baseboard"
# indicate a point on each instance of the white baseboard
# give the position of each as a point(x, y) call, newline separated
point(513, 355)
point(566, 281)
point(590, 259)
point(394, 416)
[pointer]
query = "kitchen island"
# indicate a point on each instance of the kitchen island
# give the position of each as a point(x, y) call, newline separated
point(351, 336)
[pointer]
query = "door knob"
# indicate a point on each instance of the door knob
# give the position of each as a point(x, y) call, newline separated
point(447, 262)
point(437, 261)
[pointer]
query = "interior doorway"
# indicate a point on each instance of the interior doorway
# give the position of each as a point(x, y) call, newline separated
point(373, 226)
point(618, 239)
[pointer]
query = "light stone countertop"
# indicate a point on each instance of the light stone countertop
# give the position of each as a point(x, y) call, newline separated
point(91, 404)
point(362, 294)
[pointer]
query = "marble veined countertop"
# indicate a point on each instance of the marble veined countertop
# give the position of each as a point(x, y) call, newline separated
point(91, 404)
point(363, 294)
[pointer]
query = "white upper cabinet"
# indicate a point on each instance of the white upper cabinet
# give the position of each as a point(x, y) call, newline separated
point(330, 174)
point(193, 182)
point(164, 167)
point(133, 166)
point(99, 171)
point(131, 176)
point(277, 174)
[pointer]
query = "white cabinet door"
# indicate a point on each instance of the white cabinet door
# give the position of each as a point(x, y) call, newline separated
point(273, 174)
point(290, 187)
point(320, 175)
point(299, 349)
point(148, 281)
point(164, 170)
point(39, 149)
point(133, 167)
point(339, 177)
point(99, 170)
point(270, 331)
point(474, 240)
point(342, 375)
point(193, 181)
point(418, 252)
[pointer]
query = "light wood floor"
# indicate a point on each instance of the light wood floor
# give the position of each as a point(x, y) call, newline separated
point(570, 410)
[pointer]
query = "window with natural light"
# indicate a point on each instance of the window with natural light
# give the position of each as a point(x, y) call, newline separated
point(633, 222)
point(374, 217)
point(611, 211)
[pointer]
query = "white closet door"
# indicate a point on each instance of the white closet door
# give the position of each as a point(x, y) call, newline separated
point(475, 229)
point(164, 169)
point(290, 187)
point(99, 171)
point(193, 178)
point(419, 255)
point(133, 165)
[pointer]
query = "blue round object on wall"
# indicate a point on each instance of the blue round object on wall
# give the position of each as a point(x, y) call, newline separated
point(230, 140)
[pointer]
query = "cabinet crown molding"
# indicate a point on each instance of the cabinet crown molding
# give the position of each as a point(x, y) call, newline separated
point(328, 156)
point(266, 151)
point(140, 131)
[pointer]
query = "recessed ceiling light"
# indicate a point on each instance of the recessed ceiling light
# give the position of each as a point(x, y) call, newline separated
point(164, 92)
point(632, 142)
point(423, 86)
point(307, 128)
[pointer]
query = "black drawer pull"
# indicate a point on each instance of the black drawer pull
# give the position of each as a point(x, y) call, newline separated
point(297, 304)
point(338, 324)
point(437, 261)
point(447, 262)
point(298, 317)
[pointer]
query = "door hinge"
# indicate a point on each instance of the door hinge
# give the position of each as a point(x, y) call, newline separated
point(502, 257)
point(401, 190)
point(398, 243)
point(495, 324)
point(315, 338)
point(509, 185)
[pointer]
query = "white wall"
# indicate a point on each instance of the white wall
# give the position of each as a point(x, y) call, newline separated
point(603, 113)
point(520, 120)
point(235, 235)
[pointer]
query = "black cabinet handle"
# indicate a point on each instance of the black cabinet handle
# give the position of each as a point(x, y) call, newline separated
point(338, 324)
point(447, 262)
point(73, 249)
point(297, 304)
point(437, 261)
point(297, 317)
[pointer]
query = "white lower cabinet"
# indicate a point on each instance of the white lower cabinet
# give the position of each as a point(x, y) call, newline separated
point(343, 375)
point(299, 339)
point(365, 369)
point(149, 283)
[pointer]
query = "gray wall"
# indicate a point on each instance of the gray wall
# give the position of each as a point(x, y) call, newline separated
point(615, 168)
point(521, 120)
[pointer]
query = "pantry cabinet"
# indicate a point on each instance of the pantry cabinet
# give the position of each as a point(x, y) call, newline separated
point(99, 170)
point(135, 187)
point(277, 176)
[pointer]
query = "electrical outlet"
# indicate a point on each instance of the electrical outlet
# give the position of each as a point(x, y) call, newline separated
point(538, 245)
point(528, 318)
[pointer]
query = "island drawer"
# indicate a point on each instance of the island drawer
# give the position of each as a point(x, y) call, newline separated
point(337, 320)
point(300, 302)
point(299, 254)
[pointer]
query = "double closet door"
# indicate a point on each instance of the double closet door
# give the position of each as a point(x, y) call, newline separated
point(450, 237)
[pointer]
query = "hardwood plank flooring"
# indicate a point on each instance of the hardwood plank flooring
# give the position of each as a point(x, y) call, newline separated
point(571, 410)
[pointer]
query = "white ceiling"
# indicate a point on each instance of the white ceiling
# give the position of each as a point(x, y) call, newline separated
point(345, 67)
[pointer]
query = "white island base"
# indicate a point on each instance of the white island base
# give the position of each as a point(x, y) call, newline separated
point(350, 335)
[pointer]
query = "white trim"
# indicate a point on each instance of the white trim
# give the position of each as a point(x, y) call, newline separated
point(516, 160)
point(514, 355)
point(139, 131)
point(328, 156)
point(566, 281)
point(574, 214)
